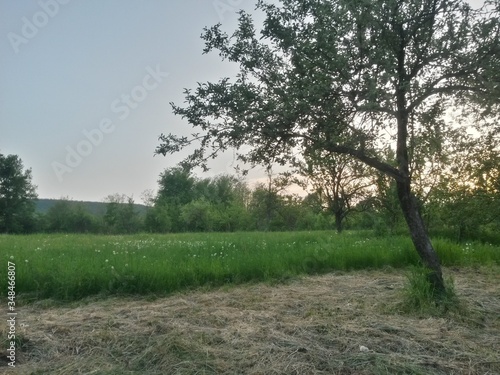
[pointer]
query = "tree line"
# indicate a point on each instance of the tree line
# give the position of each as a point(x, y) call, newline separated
point(338, 194)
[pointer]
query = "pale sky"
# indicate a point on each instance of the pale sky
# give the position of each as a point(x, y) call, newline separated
point(85, 87)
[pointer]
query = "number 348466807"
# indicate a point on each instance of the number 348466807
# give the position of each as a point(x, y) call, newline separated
point(11, 284)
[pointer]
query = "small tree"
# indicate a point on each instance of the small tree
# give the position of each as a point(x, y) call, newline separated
point(338, 180)
point(265, 206)
point(350, 77)
point(267, 202)
point(17, 195)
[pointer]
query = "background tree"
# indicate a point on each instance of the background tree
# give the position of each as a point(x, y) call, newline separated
point(17, 195)
point(338, 181)
point(314, 216)
point(267, 202)
point(176, 189)
point(121, 215)
point(158, 220)
point(229, 198)
point(185, 202)
point(265, 207)
point(385, 201)
point(199, 216)
point(347, 77)
point(467, 198)
point(70, 217)
point(148, 197)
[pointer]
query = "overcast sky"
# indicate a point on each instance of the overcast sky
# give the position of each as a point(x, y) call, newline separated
point(85, 87)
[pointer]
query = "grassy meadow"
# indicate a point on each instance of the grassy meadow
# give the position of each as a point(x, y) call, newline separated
point(72, 267)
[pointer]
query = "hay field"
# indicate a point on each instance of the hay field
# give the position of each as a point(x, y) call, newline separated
point(308, 325)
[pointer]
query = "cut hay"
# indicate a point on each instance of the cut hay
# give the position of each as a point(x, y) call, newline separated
point(333, 324)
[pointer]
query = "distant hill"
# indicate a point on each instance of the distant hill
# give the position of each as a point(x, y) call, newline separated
point(96, 208)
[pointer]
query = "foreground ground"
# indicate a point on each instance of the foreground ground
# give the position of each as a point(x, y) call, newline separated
point(312, 325)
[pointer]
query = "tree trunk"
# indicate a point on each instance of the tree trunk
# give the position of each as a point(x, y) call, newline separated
point(407, 200)
point(338, 221)
point(420, 237)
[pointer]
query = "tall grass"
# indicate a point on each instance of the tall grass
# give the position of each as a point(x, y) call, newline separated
point(70, 267)
point(420, 297)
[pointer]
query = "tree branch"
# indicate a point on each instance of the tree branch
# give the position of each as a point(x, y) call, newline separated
point(440, 90)
point(371, 161)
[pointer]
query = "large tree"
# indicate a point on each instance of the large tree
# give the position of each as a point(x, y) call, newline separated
point(352, 77)
point(17, 195)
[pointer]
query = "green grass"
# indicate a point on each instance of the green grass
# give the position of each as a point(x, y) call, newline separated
point(419, 297)
point(71, 267)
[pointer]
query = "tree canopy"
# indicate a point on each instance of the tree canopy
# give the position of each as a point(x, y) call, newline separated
point(16, 196)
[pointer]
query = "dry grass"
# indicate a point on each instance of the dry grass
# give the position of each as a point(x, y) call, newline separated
point(313, 325)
